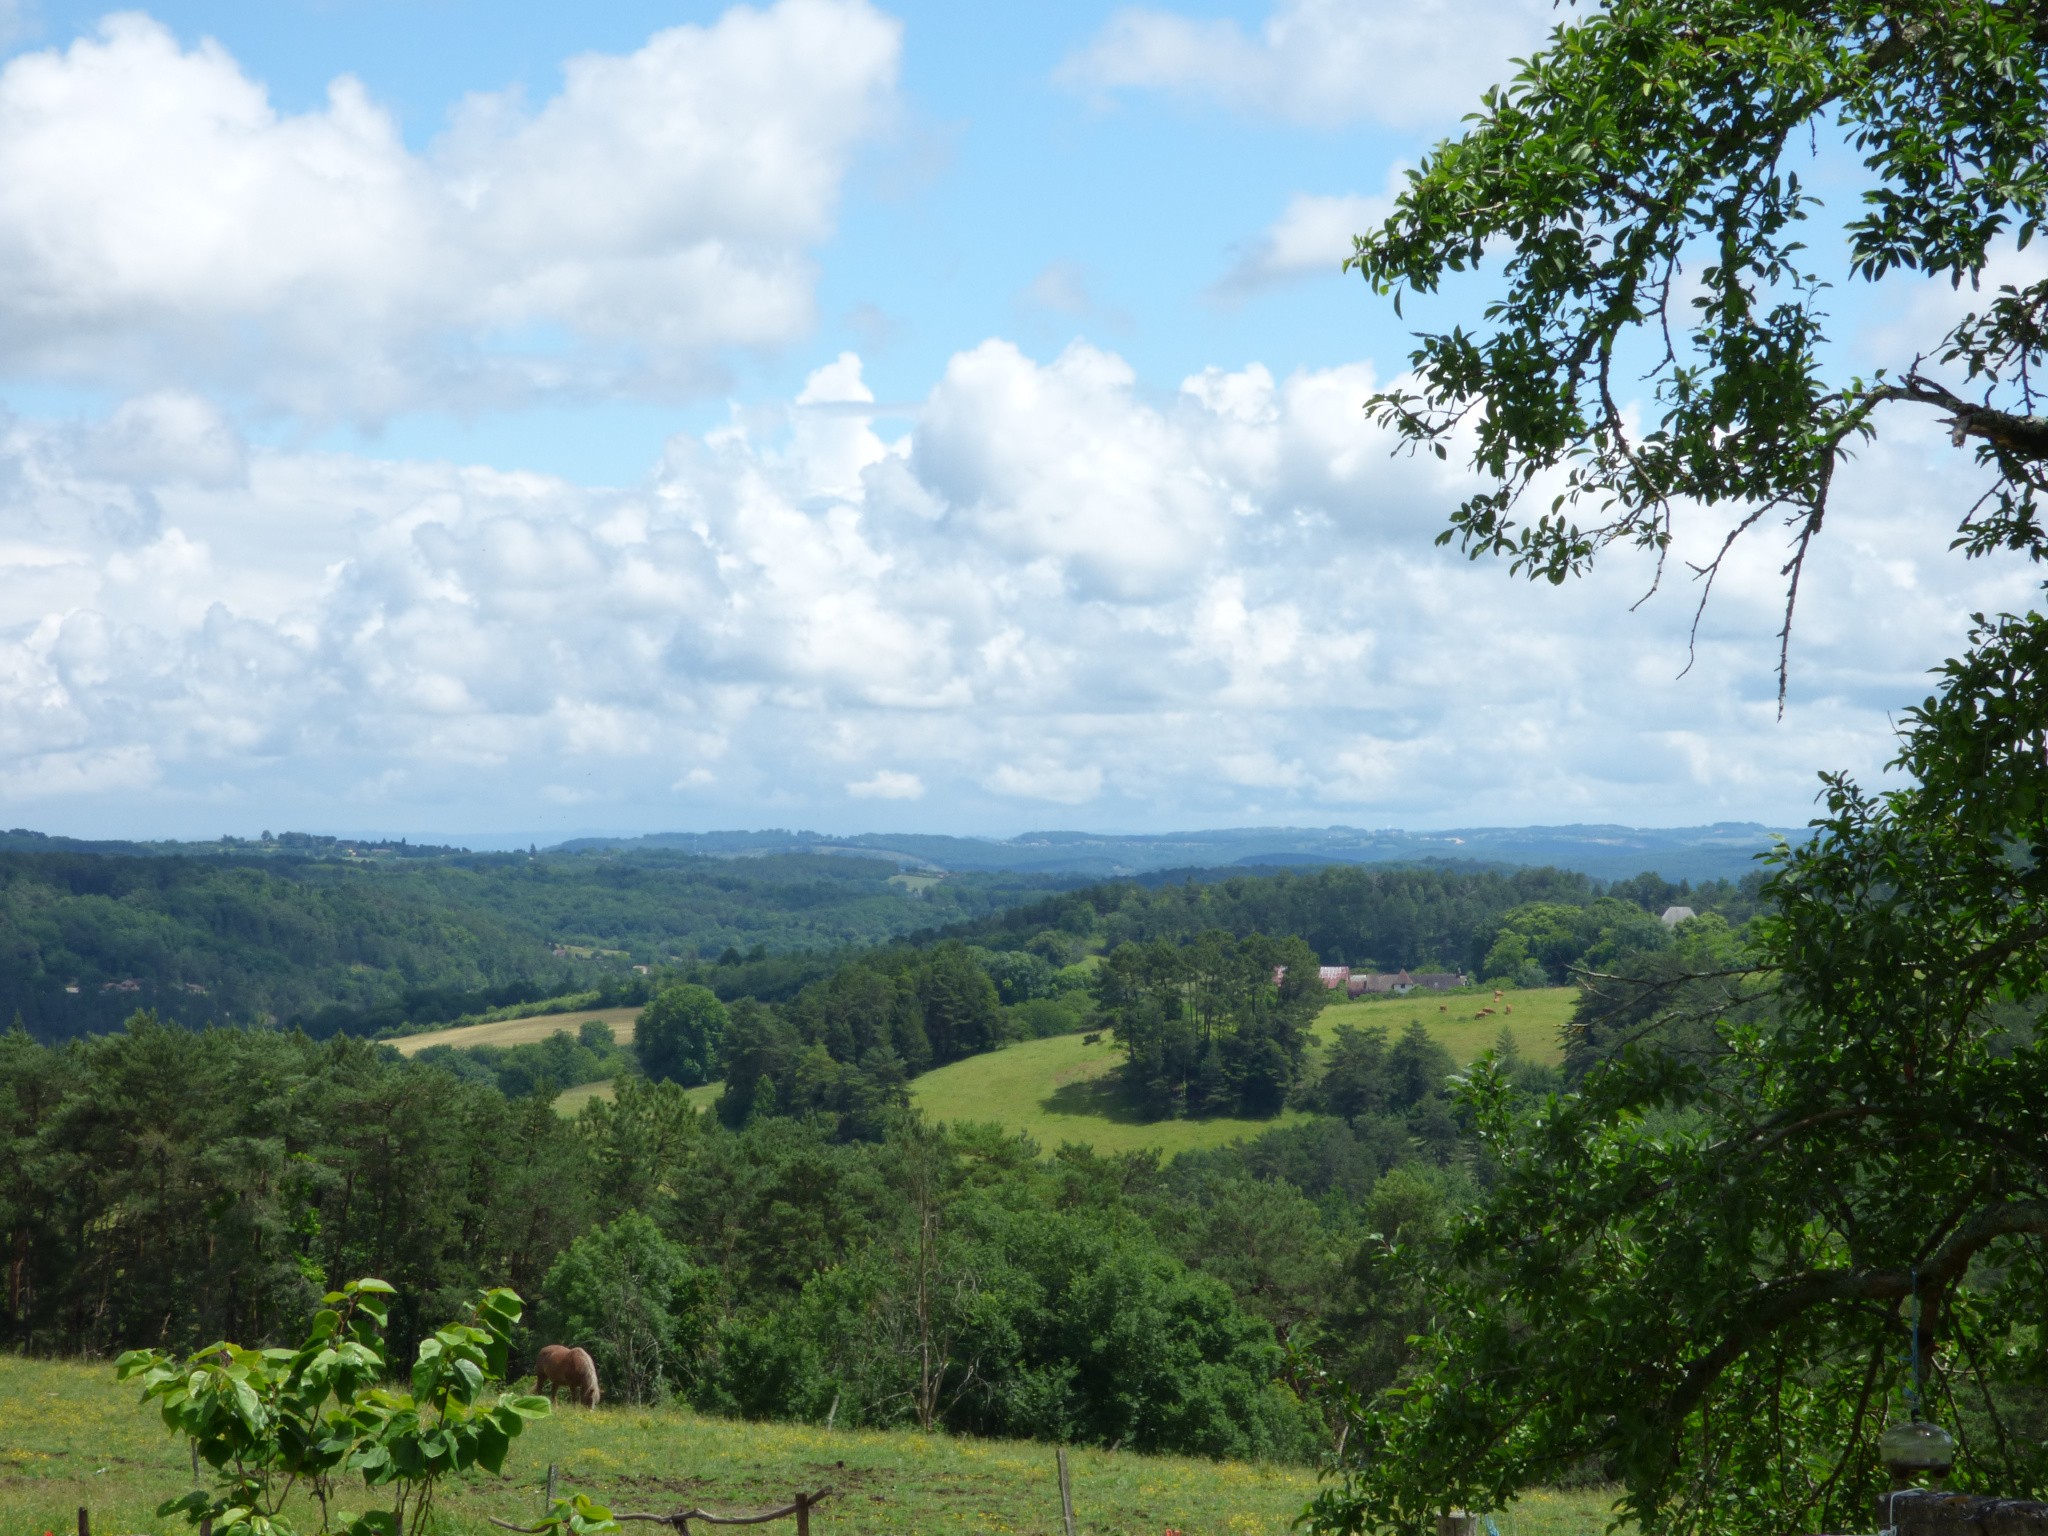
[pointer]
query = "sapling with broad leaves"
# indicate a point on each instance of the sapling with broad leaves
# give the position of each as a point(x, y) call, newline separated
point(270, 1422)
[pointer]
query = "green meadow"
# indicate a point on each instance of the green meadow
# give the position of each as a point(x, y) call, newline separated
point(1470, 1021)
point(70, 1435)
point(1063, 1089)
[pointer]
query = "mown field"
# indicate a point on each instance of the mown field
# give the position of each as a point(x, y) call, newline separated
point(70, 1435)
point(522, 1031)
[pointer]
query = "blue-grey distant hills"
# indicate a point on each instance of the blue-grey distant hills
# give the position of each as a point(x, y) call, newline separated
point(1724, 850)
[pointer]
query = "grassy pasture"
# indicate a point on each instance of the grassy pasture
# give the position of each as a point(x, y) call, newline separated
point(1454, 1019)
point(70, 1435)
point(1060, 1089)
point(524, 1031)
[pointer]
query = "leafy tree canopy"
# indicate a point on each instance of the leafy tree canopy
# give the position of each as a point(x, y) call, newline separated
point(679, 1035)
point(1643, 176)
point(1705, 1272)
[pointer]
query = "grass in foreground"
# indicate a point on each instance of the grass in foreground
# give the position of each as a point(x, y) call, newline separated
point(70, 1435)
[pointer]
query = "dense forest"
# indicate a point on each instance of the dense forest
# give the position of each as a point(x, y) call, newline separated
point(168, 1186)
point(1439, 917)
point(334, 945)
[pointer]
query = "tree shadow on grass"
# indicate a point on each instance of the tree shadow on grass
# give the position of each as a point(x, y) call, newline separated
point(1103, 1098)
point(1097, 1098)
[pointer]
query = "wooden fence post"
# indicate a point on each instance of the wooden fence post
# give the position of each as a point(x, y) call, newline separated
point(1066, 1492)
point(550, 1503)
point(84, 1522)
point(803, 1514)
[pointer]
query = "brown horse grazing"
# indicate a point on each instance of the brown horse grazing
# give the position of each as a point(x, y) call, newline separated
point(557, 1365)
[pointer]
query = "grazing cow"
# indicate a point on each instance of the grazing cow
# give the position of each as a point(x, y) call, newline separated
point(1484, 1013)
point(557, 1365)
point(1511, 1008)
point(1443, 1007)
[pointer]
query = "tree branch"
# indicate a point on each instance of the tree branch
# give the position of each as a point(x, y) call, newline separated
point(2025, 437)
point(1772, 1306)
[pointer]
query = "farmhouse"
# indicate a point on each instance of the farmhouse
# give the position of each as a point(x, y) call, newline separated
point(1401, 983)
point(1379, 983)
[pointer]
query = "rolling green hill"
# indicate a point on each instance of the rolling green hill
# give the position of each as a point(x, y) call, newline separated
point(1060, 1090)
point(361, 946)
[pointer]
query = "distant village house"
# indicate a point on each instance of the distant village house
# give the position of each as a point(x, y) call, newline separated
point(1380, 983)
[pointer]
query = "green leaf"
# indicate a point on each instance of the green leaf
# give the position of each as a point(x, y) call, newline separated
point(492, 1442)
point(133, 1361)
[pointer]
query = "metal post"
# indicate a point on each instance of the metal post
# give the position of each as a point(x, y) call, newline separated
point(1066, 1492)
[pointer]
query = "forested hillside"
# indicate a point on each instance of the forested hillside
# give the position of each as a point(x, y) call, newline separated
point(1181, 972)
point(1435, 917)
point(330, 945)
point(170, 1187)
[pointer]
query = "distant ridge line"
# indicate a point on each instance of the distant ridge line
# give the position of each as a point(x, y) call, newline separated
point(1716, 850)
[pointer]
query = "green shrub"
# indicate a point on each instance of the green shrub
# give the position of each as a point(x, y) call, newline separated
point(634, 1300)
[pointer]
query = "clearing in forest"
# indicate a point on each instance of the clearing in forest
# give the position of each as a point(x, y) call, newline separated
point(1062, 1089)
point(1457, 1021)
point(523, 1031)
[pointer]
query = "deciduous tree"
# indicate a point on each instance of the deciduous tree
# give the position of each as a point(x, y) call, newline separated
point(1707, 1271)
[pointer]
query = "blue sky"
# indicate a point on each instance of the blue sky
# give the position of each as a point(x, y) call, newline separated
point(1130, 209)
point(479, 421)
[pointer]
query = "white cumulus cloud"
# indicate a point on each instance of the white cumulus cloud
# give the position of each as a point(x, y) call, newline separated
point(1320, 62)
point(888, 784)
point(1311, 238)
point(1057, 590)
point(163, 223)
